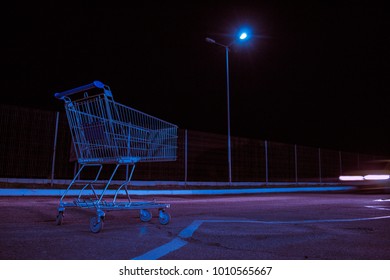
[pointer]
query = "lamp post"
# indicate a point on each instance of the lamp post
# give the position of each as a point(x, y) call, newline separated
point(242, 36)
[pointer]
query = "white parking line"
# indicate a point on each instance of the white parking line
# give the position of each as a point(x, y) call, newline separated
point(161, 251)
point(187, 232)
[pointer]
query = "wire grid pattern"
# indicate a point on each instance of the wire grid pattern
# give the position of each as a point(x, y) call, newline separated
point(27, 142)
point(105, 131)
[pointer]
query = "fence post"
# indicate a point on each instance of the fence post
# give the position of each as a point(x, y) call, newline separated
point(266, 161)
point(319, 164)
point(54, 149)
point(341, 163)
point(358, 160)
point(185, 156)
point(296, 163)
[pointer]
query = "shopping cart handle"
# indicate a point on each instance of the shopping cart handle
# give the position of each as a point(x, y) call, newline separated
point(95, 84)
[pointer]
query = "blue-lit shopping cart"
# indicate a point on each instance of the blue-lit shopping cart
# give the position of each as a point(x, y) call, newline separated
point(105, 132)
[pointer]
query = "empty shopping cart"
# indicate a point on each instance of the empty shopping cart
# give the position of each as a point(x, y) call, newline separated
point(105, 132)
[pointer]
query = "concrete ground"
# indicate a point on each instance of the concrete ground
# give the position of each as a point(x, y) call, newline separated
point(293, 226)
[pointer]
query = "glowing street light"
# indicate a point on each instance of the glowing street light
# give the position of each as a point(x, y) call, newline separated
point(242, 36)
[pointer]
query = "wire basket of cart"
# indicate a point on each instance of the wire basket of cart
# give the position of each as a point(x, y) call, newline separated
point(105, 132)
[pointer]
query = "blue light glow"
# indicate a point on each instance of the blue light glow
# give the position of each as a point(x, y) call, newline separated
point(243, 36)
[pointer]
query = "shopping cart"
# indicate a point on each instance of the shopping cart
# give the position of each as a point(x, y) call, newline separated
point(105, 132)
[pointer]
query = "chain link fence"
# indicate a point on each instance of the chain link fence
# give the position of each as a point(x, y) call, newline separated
point(37, 144)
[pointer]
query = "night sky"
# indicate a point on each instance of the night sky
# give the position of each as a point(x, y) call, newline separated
point(314, 73)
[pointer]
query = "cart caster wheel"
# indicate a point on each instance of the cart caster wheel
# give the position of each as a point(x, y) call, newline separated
point(145, 215)
point(59, 218)
point(96, 224)
point(164, 217)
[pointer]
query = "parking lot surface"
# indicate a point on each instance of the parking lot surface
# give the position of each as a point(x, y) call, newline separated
point(294, 226)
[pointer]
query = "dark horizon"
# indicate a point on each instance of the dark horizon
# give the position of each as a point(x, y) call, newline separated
point(313, 73)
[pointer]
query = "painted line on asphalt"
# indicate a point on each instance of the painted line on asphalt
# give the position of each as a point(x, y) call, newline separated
point(189, 231)
point(161, 251)
point(178, 242)
point(173, 245)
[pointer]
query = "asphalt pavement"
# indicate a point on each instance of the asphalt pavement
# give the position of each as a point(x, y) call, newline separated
point(292, 226)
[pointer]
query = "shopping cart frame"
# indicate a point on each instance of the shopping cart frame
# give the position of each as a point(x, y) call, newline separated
point(105, 132)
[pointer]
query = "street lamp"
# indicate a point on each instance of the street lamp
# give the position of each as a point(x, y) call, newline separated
point(242, 36)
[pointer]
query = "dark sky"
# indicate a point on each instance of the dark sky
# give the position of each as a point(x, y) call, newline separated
point(314, 73)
